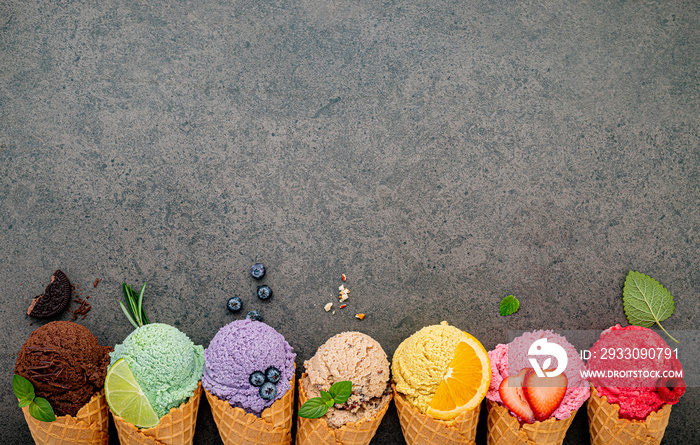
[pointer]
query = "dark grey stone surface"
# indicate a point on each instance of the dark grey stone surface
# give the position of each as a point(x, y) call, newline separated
point(442, 154)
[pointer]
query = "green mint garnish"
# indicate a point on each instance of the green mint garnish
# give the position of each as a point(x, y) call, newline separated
point(23, 388)
point(313, 408)
point(318, 406)
point(509, 305)
point(134, 306)
point(341, 391)
point(39, 408)
point(646, 301)
point(327, 398)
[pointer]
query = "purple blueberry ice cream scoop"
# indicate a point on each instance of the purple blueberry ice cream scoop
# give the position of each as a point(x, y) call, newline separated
point(243, 348)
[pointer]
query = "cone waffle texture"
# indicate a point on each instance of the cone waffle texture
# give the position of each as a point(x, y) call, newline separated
point(236, 427)
point(421, 429)
point(505, 429)
point(317, 431)
point(607, 428)
point(174, 428)
point(88, 427)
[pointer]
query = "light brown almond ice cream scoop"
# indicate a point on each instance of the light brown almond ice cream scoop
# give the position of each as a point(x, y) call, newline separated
point(355, 357)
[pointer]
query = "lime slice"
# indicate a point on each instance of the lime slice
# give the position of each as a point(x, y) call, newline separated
point(125, 398)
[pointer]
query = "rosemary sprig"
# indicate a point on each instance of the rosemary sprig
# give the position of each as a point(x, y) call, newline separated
point(134, 306)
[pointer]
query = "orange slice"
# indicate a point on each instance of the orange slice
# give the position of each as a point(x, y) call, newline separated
point(465, 383)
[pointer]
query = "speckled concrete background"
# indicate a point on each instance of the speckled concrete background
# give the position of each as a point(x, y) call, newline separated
point(441, 154)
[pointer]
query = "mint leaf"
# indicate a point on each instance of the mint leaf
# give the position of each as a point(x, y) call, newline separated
point(318, 406)
point(327, 398)
point(509, 305)
point(23, 389)
point(313, 408)
point(41, 409)
point(341, 391)
point(646, 301)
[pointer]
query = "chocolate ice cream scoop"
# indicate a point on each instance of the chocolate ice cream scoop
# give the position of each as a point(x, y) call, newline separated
point(65, 364)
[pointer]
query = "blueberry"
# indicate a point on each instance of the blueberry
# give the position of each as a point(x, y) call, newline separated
point(268, 391)
point(257, 378)
point(264, 292)
point(273, 374)
point(254, 315)
point(234, 304)
point(257, 270)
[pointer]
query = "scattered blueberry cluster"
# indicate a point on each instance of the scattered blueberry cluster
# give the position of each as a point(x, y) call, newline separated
point(264, 292)
point(267, 382)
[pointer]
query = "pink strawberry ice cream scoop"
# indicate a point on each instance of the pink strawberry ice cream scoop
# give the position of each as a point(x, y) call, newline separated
point(634, 367)
point(509, 360)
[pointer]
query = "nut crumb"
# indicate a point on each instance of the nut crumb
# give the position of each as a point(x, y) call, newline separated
point(328, 307)
point(342, 277)
point(360, 316)
point(343, 306)
point(344, 293)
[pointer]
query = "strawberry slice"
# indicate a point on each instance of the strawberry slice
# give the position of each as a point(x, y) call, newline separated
point(513, 397)
point(544, 394)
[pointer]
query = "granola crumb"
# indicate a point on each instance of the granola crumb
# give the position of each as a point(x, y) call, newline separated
point(360, 316)
point(343, 306)
point(328, 307)
point(342, 277)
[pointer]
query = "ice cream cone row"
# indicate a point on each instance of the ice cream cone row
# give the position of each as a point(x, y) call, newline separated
point(236, 427)
point(421, 429)
point(174, 428)
point(88, 427)
point(607, 428)
point(505, 429)
point(317, 431)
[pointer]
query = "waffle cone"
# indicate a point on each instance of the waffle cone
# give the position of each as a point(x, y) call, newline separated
point(174, 428)
point(422, 429)
point(88, 427)
point(505, 429)
point(236, 427)
point(607, 428)
point(317, 431)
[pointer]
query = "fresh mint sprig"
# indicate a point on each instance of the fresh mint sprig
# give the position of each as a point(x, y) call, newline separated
point(39, 407)
point(318, 406)
point(134, 306)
